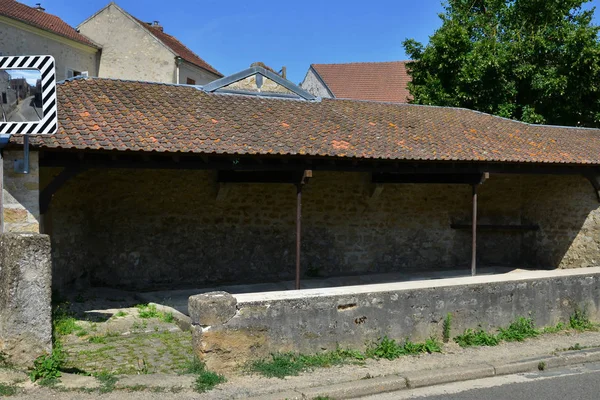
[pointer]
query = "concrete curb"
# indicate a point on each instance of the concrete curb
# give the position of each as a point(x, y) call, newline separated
point(418, 379)
point(183, 321)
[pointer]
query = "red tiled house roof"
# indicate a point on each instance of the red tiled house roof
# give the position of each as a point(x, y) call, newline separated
point(41, 19)
point(178, 48)
point(103, 114)
point(377, 81)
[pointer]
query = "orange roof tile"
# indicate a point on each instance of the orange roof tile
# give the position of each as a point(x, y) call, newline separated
point(377, 81)
point(41, 19)
point(178, 48)
point(105, 114)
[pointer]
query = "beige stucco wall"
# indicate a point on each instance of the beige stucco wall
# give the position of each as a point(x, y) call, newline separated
point(25, 40)
point(313, 85)
point(201, 76)
point(128, 50)
point(20, 194)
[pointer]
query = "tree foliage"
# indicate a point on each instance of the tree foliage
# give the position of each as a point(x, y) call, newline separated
point(533, 60)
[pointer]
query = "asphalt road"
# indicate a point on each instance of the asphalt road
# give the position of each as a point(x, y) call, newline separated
point(26, 111)
point(575, 383)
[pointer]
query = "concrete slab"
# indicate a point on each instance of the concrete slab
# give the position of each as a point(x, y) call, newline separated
point(178, 299)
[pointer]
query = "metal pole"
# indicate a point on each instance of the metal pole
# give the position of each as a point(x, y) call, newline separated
point(298, 232)
point(26, 154)
point(474, 233)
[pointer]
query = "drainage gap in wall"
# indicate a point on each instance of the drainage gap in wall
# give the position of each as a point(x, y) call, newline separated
point(345, 307)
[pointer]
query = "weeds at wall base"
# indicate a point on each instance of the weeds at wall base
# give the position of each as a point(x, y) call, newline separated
point(281, 365)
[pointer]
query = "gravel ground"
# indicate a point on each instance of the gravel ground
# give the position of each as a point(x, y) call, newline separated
point(243, 386)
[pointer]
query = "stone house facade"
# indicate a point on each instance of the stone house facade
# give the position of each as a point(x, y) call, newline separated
point(31, 31)
point(169, 197)
point(136, 50)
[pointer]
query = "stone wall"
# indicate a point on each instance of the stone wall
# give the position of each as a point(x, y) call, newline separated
point(25, 297)
point(201, 76)
point(144, 229)
point(21, 39)
point(128, 50)
point(20, 194)
point(313, 85)
point(230, 330)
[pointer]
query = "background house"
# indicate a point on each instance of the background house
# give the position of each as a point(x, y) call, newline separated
point(26, 30)
point(375, 81)
point(136, 50)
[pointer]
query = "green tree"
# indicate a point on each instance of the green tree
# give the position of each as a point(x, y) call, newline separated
point(537, 61)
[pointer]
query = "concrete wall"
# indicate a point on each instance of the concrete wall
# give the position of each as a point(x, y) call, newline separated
point(229, 330)
point(20, 194)
point(201, 76)
point(144, 229)
point(314, 86)
point(25, 297)
point(128, 50)
point(20, 39)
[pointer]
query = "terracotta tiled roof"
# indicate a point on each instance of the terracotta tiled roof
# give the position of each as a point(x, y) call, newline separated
point(108, 114)
point(376, 81)
point(41, 19)
point(178, 48)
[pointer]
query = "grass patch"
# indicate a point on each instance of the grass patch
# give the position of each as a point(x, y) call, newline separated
point(281, 365)
point(120, 314)
point(7, 390)
point(63, 322)
point(477, 337)
point(389, 349)
point(520, 329)
point(97, 339)
point(447, 328)
point(554, 329)
point(194, 366)
point(580, 321)
point(205, 379)
point(107, 381)
point(146, 311)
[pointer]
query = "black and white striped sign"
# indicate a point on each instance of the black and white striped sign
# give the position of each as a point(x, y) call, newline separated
point(48, 125)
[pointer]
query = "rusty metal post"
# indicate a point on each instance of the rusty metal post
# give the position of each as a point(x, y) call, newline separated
point(474, 233)
point(298, 231)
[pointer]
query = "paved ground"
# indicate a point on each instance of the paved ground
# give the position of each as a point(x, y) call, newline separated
point(26, 111)
point(113, 336)
point(581, 383)
point(243, 386)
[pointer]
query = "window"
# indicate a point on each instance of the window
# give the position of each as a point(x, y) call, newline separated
point(72, 73)
point(190, 81)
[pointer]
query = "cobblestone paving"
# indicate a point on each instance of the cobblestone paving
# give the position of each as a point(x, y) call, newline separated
point(112, 335)
point(137, 353)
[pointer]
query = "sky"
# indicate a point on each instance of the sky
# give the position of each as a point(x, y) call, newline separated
point(31, 75)
point(232, 34)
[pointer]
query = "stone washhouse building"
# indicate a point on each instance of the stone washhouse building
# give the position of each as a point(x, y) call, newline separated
point(252, 179)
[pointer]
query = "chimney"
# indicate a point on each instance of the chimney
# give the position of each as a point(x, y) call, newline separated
point(157, 25)
point(38, 6)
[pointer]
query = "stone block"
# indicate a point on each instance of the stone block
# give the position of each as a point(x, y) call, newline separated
point(214, 308)
point(25, 297)
point(15, 215)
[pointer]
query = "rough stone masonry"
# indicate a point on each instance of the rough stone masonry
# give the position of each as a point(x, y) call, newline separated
point(229, 330)
point(25, 297)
